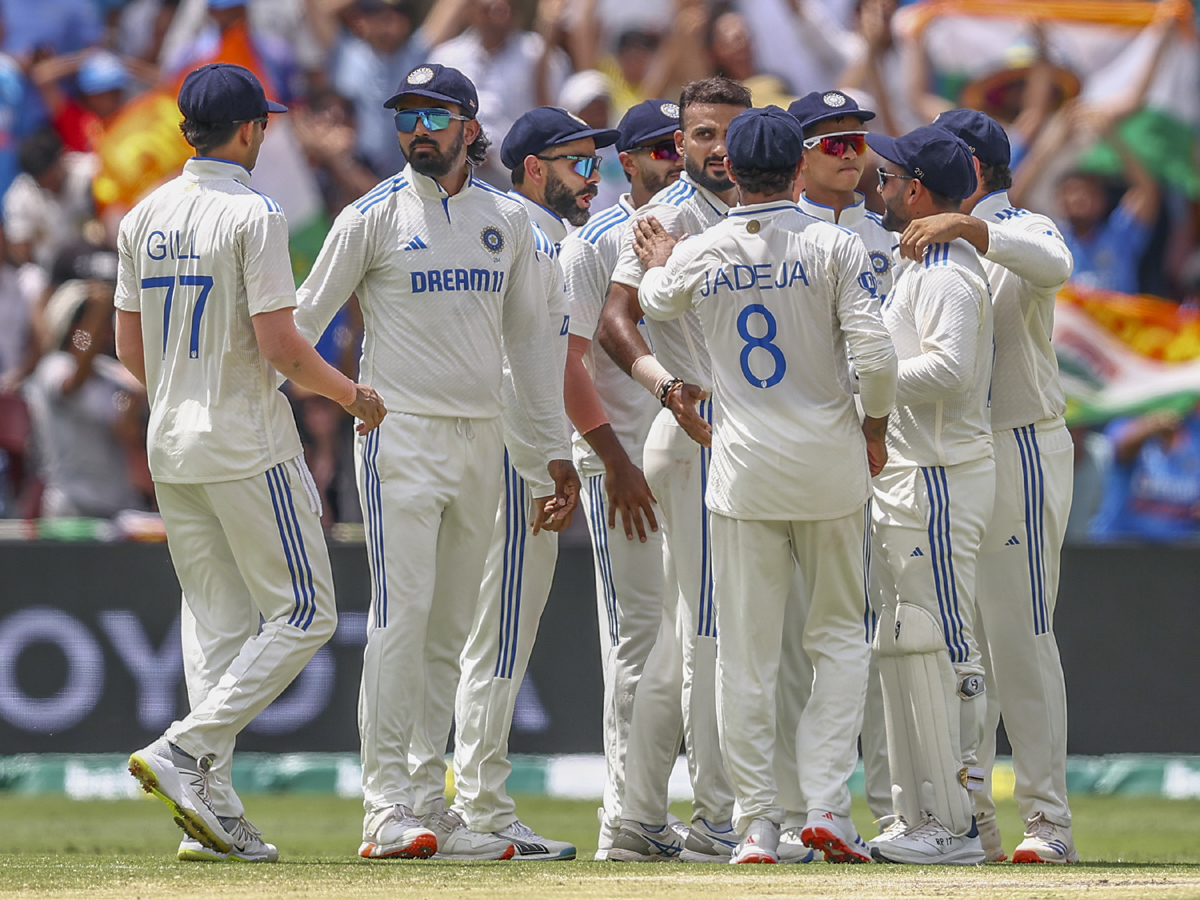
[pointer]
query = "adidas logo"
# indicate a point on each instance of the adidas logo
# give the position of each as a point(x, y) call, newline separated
point(917, 552)
point(529, 849)
point(828, 816)
point(1012, 541)
point(416, 244)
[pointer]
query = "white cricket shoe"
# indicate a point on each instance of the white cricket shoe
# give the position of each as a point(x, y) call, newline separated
point(395, 833)
point(1045, 842)
point(989, 837)
point(760, 845)
point(792, 848)
point(889, 827)
point(456, 841)
point(181, 782)
point(531, 845)
point(836, 837)
point(605, 840)
point(708, 842)
point(248, 845)
point(929, 843)
point(639, 842)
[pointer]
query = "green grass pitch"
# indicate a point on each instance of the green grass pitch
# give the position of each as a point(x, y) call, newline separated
point(1133, 847)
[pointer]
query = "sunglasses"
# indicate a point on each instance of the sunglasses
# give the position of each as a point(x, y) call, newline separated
point(585, 166)
point(837, 144)
point(884, 175)
point(261, 120)
point(664, 150)
point(432, 119)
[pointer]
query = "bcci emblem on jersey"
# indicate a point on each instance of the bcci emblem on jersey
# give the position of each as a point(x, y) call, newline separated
point(493, 239)
point(880, 263)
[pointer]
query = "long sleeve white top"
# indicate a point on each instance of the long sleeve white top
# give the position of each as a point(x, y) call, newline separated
point(780, 295)
point(448, 285)
point(1026, 264)
point(880, 243)
point(939, 315)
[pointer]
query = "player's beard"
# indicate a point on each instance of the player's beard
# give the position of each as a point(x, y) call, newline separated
point(892, 216)
point(655, 182)
point(698, 172)
point(563, 202)
point(439, 164)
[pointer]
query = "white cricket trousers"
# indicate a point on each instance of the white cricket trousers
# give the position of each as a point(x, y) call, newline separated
point(242, 550)
point(422, 481)
point(754, 562)
point(629, 605)
point(1018, 587)
point(677, 695)
point(516, 585)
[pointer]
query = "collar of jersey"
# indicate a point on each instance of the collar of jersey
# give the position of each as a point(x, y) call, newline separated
point(709, 197)
point(625, 201)
point(203, 167)
point(428, 187)
point(546, 219)
point(990, 204)
point(762, 209)
point(851, 215)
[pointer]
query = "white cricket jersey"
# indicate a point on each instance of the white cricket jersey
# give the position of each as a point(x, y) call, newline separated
point(681, 208)
point(940, 317)
point(781, 296)
point(1026, 264)
point(588, 258)
point(198, 258)
point(880, 242)
point(548, 232)
point(447, 286)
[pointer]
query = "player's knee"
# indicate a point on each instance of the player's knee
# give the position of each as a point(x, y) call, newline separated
point(324, 623)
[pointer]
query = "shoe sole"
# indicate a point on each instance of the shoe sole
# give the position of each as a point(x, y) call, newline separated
point(879, 857)
point(189, 820)
point(461, 857)
point(835, 849)
point(754, 858)
point(1031, 856)
point(421, 847)
point(210, 856)
point(565, 853)
point(1003, 857)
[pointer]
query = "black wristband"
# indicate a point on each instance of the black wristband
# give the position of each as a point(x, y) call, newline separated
point(666, 389)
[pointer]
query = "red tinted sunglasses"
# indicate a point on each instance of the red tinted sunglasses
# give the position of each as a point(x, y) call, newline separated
point(838, 144)
point(661, 150)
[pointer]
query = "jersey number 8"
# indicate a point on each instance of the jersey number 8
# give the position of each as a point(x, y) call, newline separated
point(205, 283)
point(764, 342)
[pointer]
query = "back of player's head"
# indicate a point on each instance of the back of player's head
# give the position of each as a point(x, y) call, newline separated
point(715, 91)
point(40, 151)
point(764, 147)
point(220, 93)
point(987, 140)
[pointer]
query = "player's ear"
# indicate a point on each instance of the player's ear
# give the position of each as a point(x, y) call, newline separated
point(729, 170)
point(628, 163)
point(535, 170)
point(471, 129)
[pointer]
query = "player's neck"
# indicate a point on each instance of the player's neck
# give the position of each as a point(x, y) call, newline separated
point(748, 199)
point(452, 182)
point(835, 200)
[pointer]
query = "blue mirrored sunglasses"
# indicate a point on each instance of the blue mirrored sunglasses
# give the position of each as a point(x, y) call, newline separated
point(432, 119)
point(584, 165)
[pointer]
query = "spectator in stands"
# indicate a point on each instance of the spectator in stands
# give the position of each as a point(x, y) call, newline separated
point(62, 26)
point(83, 404)
point(327, 132)
point(803, 43)
point(47, 205)
point(102, 80)
point(731, 51)
point(1152, 489)
point(14, 114)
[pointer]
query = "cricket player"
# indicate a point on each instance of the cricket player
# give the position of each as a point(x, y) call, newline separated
point(555, 170)
point(781, 300)
point(445, 268)
point(675, 461)
point(1027, 262)
point(932, 504)
point(835, 156)
point(612, 415)
point(204, 319)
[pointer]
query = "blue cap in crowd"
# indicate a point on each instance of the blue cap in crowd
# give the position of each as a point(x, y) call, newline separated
point(821, 105)
point(100, 72)
point(226, 4)
point(549, 126)
point(223, 92)
point(940, 160)
point(982, 134)
point(764, 139)
point(438, 82)
point(648, 120)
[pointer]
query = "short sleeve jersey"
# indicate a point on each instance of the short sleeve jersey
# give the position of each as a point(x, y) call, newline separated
point(198, 258)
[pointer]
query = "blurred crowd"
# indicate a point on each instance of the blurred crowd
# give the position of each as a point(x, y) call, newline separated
point(72, 421)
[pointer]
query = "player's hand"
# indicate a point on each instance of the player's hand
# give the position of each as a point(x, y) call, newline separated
point(651, 242)
point(682, 402)
point(629, 493)
point(875, 431)
point(937, 229)
point(367, 406)
point(554, 514)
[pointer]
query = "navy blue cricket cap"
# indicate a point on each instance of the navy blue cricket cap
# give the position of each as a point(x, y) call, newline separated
point(981, 133)
point(222, 92)
point(549, 126)
point(821, 105)
point(768, 138)
point(940, 160)
point(438, 82)
point(646, 121)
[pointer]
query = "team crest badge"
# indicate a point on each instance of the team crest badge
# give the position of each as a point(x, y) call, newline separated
point(423, 75)
point(879, 262)
point(493, 240)
point(834, 99)
point(670, 110)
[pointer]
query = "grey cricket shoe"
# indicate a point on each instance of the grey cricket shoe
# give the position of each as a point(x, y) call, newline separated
point(248, 845)
point(181, 782)
point(456, 841)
